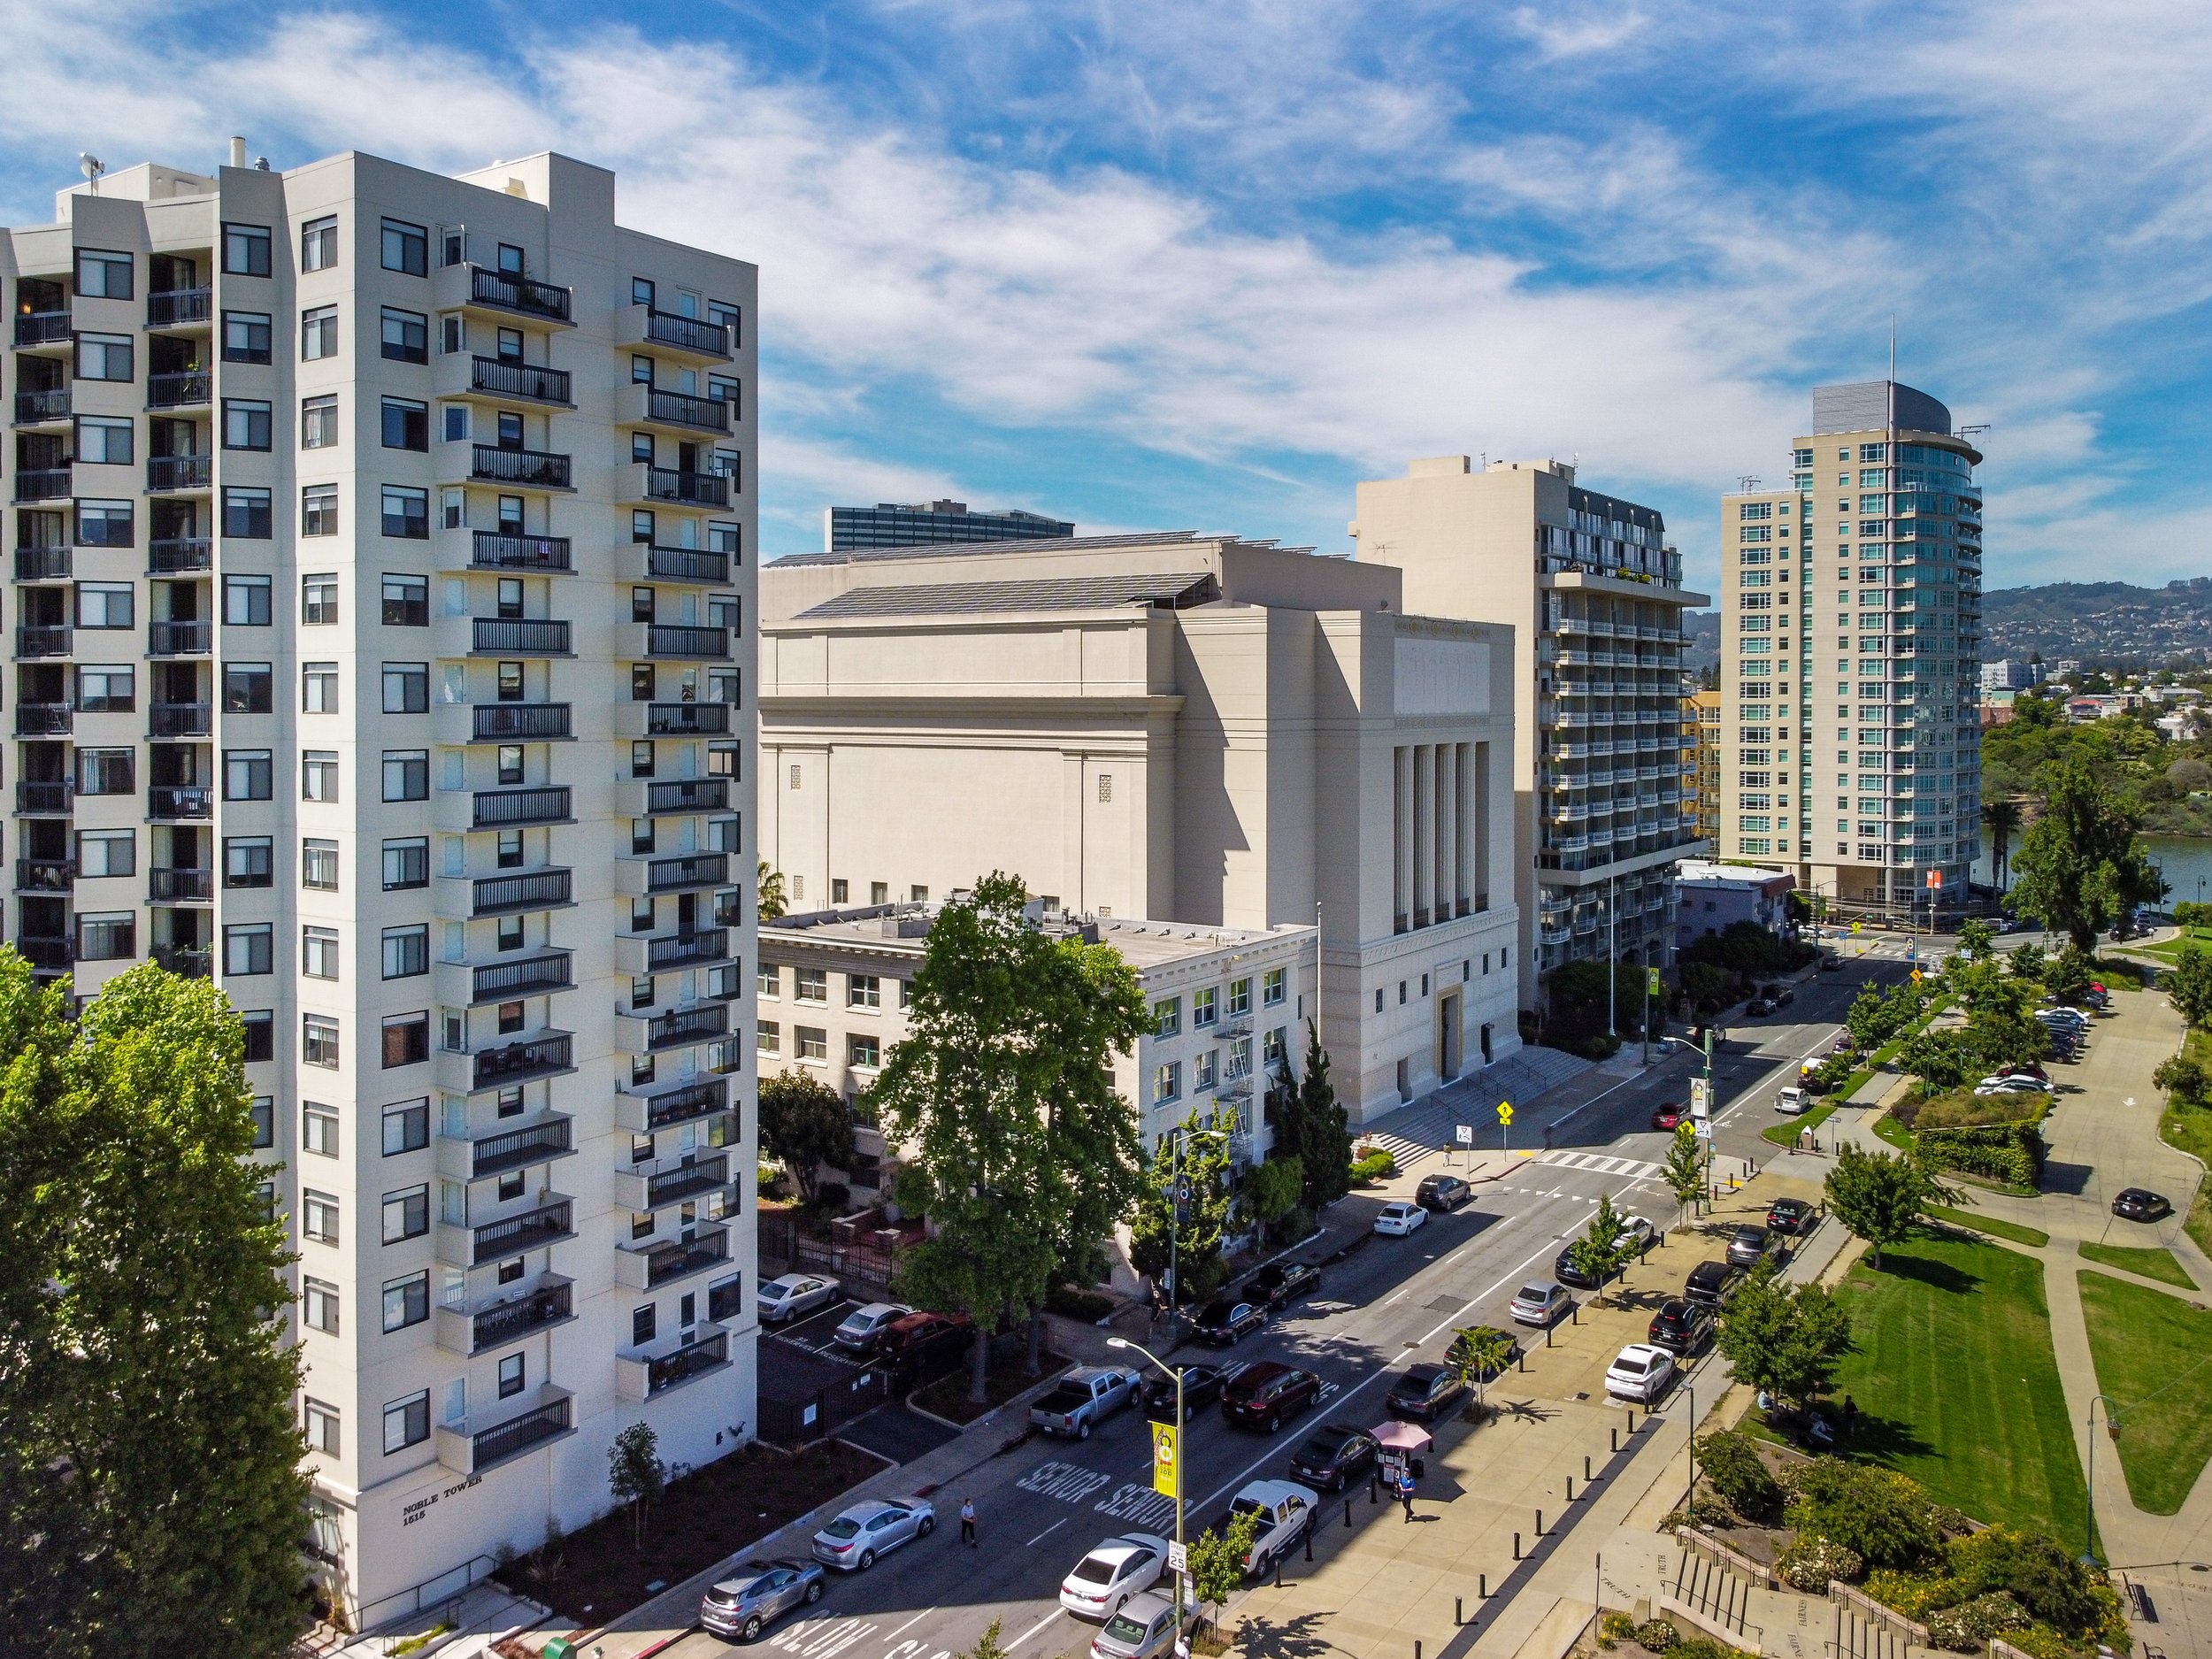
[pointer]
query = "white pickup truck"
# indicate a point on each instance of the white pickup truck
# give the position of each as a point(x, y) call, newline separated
point(1085, 1396)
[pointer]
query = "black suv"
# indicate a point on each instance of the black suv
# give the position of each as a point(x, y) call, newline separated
point(1681, 1327)
point(1262, 1395)
point(1712, 1283)
point(1279, 1284)
point(1792, 1215)
point(1334, 1457)
point(1442, 1193)
point(1425, 1392)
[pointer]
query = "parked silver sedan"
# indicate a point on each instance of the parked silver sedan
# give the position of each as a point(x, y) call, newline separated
point(761, 1590)
point(856, 1537)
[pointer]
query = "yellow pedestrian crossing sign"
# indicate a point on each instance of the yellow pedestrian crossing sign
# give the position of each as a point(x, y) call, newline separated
point(1855, 927)
point(1164, 1449)
point(1505, 1112)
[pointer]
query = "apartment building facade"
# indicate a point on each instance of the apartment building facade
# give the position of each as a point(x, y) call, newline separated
point(1228, 734)
point(381, 615)
point(1227, 1004)
point(1700, 764)
point(924, 524)
point(1594, 593)
point(1850, 647)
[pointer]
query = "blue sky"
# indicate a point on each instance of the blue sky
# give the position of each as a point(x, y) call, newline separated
point(1207, 265)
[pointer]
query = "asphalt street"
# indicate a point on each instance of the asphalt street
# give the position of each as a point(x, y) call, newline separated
point(1043, 1504)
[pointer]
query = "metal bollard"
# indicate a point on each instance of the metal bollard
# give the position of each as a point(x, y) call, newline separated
point(1347, 1511)
point(1539, 1523)
point(1546, 1336)
point(1459, 1614)
point(1570, 1489)
point(1585, 1471)
point(1279, 1571)
point(1574, 1313)
point(1521, 1360)
point(1631, 1419)
point(1517, 1546)
point(1308, 1543)
point(1482, 1586)
point(1370, 1488)
point(1615, 1433)
point(1417, 1650)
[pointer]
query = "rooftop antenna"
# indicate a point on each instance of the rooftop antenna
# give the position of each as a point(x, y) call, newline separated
point(1893, 348)
point(1747, 482)
point(92, 168)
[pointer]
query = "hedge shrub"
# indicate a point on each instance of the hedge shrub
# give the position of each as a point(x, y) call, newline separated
point(2011, 1153)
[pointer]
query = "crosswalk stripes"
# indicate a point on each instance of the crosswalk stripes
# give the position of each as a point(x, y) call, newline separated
point(1636, 1167)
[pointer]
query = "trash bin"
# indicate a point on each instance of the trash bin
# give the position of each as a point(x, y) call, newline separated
point(559, 1647)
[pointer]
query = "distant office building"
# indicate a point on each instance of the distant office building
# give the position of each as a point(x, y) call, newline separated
point(887, 524)
point(1712, 898)
point(2010, 676)
point(1594, 593)
point(1700, 764)
point(1849, 644)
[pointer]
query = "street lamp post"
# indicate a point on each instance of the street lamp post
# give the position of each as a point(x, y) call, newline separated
point(1182, 1567)
point(2089, 1525)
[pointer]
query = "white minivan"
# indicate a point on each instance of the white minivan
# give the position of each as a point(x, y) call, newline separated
point(1791, 1101)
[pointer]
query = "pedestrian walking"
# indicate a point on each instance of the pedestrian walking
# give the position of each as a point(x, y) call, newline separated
point(967, 1522)
point(1405, 1490)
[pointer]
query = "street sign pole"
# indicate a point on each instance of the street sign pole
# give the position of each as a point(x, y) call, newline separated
point(1505, 1124)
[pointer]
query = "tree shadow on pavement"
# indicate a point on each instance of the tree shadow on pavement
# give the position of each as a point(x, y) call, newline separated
point(1300, 1638)
point(2067, 1178)
point(1524, 1411)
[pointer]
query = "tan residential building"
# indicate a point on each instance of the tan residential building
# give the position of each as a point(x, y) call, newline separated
point(378, 612)
point(1850, 643)
point(1228, 734)
point(1593, 592)
point(1227, 1003)
point(1701, 763)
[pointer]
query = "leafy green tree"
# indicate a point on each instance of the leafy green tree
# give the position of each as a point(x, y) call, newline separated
point(769, 886)
point(988, 1645)
point(2082, 865)
point(1217, 1562)
point(2068, 976)
point(1938, 1058)
point(2001, 819)
point(805, 1125)
point(1003, 1094)
point(2001, 1037)
point(1977, 940)
point(1732, 1463)
point(2190, 984)
point(1269, 1190)
point(152, 1496)
point(1880, 1196)
point(1868, 1018)
point(1683, 1171)
point(1786, 1341)
point(1706, 986)
point(1598, 1254)
point(1194, 1246)
point(2027, 961)
point(636, 1474)
point(1479, 1353)
point(2181, 1077)
point(1881, 1515)
point(1311, 1126)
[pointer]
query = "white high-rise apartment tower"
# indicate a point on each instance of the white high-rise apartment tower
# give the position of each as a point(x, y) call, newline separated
point(379, 611)
point(1850, 645)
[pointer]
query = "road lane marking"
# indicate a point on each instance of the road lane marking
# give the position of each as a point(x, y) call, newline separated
point(1034, 1629)
point(1033, 1543)
point(1070, 1483)
point(910, 1623)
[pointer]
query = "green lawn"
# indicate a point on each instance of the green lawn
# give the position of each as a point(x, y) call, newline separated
point(2148, 1347)
point(1956, 1384)
point(1785, 1132)
point(2155, 1262)
point(1887, 1128)
point(1990, 1225)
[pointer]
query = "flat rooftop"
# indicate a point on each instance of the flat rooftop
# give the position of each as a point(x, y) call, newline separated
point(1142, 943)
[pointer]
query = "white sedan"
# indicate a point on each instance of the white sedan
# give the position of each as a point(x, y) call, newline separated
point(1396, 1220)
point(1640, 1373)
point(2013, 1083)
point(794, 1293)
point(1112, 1573)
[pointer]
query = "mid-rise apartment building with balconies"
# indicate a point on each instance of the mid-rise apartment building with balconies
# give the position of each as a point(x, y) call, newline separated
point(1850, 645)
point(1594, 593)
point(379, 611)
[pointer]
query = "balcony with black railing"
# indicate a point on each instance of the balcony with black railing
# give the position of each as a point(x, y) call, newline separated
point(518, 637)
point(173, 555)
point(37, 408)
point(46, 951)
point(509, 550)
point(677, 487)
point(513, 808)
point(43, 483)
point(170, 474)
point(551, 1302)
point(180, 308)
point(656, 1186)
point(43, 328)
point(42, 640)
point(530, 382)
point(540, 1142)
point(519, 722)
point(525, 469)
point(43, 720)
point(45, 875)
point(177, 884)
point(186, 388)
point(519, 295)
point(685, 873)
point(695, 336)
point(654, 797)
point(671, 719)
point(685, 564)
point(666, 953)
point(187, 962)
point(653, 1262)
point(687, 1103)
point(550, 1220)
point(470, 1453)
point(190, 802)
point(528, 976)
point(694, 644)
point(43, 564)
point(678, 1028)
point(534, 890)
point(179, 639)
point(180, 719)
point(548, 1055)
point(48, 799)
point(643, 1373)
point(650, 406)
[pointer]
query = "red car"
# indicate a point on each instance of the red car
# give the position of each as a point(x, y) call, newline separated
point(1670, 1116)
point(916, 1331)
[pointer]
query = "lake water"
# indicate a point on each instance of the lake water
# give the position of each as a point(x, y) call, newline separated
point(2185, 860)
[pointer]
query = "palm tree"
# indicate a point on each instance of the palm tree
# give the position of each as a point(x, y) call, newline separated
point(2001, 817)
point(770, 891)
